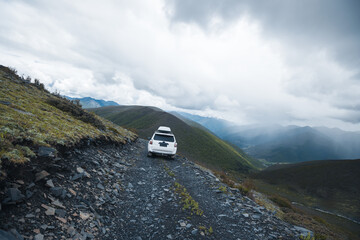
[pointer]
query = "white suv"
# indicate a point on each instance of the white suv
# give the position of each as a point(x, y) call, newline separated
point(163, 142)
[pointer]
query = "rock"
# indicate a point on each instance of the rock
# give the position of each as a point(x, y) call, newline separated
point(130, 185)
point(44, 206)
point(194, 232)
point(100, 186)
point(169, 236)
point(246, 215)
point(56, 191)
point(44, 226)
point(255, 216)
point(29, 194)
point(49, 183)
point(29, 215)
point(63, 220)
point(39, 236)
point(303, 231)
point(84, 216)
point(80, 170)
point(57, 203)
point(50, 211)
point(15, 195)
point(188, 225)
point(20, 182)
point(60, 212)
point(10, 235)
point(46, 152)
point(222, 215)
point(72, 191)
point(77, 176)
point(71, 231)
point(41, 175)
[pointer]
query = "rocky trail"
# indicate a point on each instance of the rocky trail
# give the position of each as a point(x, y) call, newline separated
point(111, 192)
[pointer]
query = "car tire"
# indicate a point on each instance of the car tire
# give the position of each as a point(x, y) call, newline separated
point(149, 154)
point(172, 157)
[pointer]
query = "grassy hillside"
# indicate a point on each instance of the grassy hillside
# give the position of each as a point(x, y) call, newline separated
point(331, 184)
point(32, 117)
point(195, 143)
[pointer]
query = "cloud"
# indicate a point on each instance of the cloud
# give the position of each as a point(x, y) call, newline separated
point(332, 25)
point(243, 61)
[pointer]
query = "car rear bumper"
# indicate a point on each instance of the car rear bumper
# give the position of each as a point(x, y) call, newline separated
point(167, 152)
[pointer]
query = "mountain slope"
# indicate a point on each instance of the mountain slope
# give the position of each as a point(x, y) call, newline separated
point(88, 102)
point(31, 118)
point(333, 184)
point(195, 143)
point(218, 126)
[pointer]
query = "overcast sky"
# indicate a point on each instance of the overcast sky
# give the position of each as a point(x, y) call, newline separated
point(285, 62)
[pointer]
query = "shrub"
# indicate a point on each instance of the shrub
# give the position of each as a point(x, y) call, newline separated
point(308, 237)
point(12, 70)
point(281, 201)
point(187, 201)
point(38, 84)
point(243, 190)
point(223, 189)
point(76, 111)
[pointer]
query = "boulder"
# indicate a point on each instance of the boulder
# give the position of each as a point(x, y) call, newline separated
point(41, 175)
point(46, 152)
point(13, 196)
point(303, 231)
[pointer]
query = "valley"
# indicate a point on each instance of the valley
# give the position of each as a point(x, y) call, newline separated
point(66, 171)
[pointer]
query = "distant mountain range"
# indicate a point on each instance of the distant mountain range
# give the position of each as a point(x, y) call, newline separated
point(88, 102)
point(219, 127)
point(269, 143)
point(275, 143)
point(195, 142)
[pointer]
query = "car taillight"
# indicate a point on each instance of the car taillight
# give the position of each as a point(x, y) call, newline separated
point(150, 141)
point(175, 145)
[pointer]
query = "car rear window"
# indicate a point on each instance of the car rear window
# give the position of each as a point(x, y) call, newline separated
point(166, 138)
point(162, 131)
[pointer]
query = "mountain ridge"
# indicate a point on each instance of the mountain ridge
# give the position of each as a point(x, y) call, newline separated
point(275, 143)
point(89, 102)
point(195, 143)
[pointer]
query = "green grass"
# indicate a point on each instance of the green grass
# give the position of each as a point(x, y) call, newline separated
point(305, 215)
point(32, 117)
point(195, 143)
point(187, 201)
